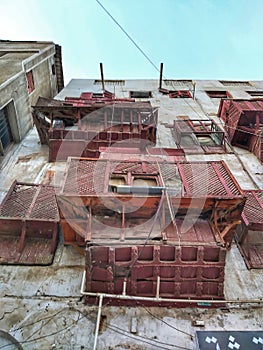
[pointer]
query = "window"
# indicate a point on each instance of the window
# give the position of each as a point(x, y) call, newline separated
point(53, 69)
point(97, 95)
point(218, 94)
point(129, 183)
point(30, 82)
point(140, 94)
point(255, 93)
point(234, 83)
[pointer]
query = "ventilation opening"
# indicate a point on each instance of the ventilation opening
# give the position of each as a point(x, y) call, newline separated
point(234, 83)
point(97, 95)
point(140, 94)
point(109, 82)
point(255, 93)
point(218, 94)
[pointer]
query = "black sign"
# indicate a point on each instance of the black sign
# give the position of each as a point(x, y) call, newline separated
point(236, 340)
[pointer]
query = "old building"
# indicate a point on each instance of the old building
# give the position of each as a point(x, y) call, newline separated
point(151, 213)
point(27, 70)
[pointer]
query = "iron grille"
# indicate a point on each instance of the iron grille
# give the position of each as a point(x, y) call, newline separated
point(253, 209)
point(88, 177)
point(29, 201)
point(207, 179)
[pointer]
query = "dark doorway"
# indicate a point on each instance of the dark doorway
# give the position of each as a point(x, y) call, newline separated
point(6, 136)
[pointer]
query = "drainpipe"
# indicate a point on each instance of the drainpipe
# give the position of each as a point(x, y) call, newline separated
point(158, 287)
point(124, 296)
point(98, 323)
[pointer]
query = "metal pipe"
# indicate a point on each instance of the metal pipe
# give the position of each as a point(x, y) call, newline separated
point(161, 75)
point(170, 300)
point(158, 287)
point(124, 286)
point(98, 323)
point(102, 76)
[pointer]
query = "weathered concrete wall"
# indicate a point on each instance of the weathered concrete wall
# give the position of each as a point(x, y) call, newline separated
point(18, 93)
point(41, 74)
point(41, 67)
point(15, 88)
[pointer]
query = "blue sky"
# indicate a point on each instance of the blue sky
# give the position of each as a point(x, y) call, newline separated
point(195, 39)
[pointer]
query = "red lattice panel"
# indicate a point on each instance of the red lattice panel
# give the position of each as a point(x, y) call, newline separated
point(29, 201)
point(19, 201)
point(134, 167)
point(84, 177)
point(28, 225)
point(256, 105)
point(205, 179)
point(253, 210)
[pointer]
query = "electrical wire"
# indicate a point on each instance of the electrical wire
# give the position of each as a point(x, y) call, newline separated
point(46, 335)
point(132, 337)
point(26, 341)
point(146, 340)
point(170, 207)
point(160, 319)
point(128, 36)
point(35, 322)
point(112, 327)
point(148, 237)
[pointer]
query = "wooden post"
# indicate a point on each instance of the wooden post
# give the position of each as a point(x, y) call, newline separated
point(102, 76)
point(161, 75)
